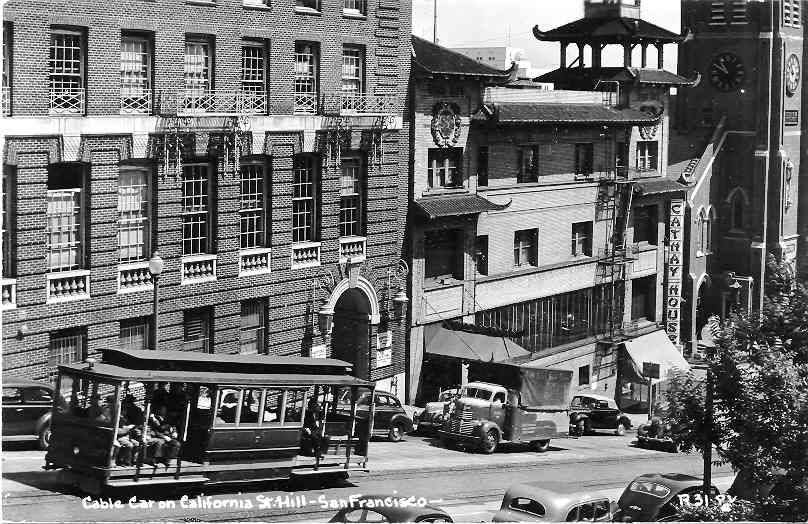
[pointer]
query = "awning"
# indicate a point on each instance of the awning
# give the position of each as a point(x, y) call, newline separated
point(658, 186)
point(455, 205)
point(465, 345)
point(656, 348)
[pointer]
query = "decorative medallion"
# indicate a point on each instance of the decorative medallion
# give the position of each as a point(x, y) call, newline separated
point(793, 74)
point(446, 124)
point(648, 132)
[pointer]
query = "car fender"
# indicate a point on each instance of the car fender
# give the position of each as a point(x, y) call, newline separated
point(577, 417)
point(404, 419)
point(622, 419)
point(485, 426)
point(43, 421)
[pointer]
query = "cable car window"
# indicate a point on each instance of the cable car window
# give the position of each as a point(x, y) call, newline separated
point(273, 404)
point(295, 405)
point(250, 399)
point(203, 400)
point(228, 404)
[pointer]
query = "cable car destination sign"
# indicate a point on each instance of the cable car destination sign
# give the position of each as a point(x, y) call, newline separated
point(673, 281)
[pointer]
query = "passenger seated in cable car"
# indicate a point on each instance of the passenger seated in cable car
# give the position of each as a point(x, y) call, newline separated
point(126, 442)
point(162, 437)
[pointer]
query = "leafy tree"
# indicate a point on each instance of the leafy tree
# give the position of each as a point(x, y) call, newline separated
point(760, 387)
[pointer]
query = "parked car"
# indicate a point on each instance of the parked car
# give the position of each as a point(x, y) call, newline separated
point(595, 412)
point(654, 497)
point(389, 508)
point(391, 418)
point(27, 410)
point(656, 435)
point(435, 413)
point(530, 502)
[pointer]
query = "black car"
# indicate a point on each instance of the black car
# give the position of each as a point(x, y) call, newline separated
point(592, 412)
point(390, 508)
point(27, 410)
point(390, 419)
point(654, 497)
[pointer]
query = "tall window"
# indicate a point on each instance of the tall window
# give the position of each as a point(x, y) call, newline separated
point(738, 206)
point(64, 230)
point(582, 239)
point(583, 375)
point(133, 215)
point(198, 75)
point(481, 255)
point(196, 209)
point(701, 225)
point(7, 74)
point(8, 213)
point(252, 331)
point(66, 71)
point(645, 224)
point(443, 254)
point(135, 74)
point(355, 6)
point(252, 209)
point(444, 168)
point(351, 197)
point(66, 347)
point(525, 247)
point(353, 70)
point(134, 333)
point(643, 298)
point(528, 164)
point(197, 329)
point(308, 4)
point(647, 156)
point(306, 71)
point(482, 166)
point(584, 154)
point(304, 198)
point(253, 67)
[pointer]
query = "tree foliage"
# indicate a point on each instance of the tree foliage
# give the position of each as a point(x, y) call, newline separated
point(760, 422)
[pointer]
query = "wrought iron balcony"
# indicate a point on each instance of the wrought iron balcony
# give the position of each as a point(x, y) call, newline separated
point(254, 261)
point(6, 102)
point(220, 102)
point(136, 104)
point(305, 255)
point(198, 268)
point(9, 293)
point(67, 101)
point(68, 285)
point(306, 104)
point(352, 248)
point(364, 103)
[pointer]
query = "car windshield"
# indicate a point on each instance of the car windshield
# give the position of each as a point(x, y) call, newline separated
point(446, 395)
point(650, 488)
point(480, 393)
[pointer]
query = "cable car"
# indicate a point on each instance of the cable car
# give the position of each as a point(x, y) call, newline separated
point(141, 417)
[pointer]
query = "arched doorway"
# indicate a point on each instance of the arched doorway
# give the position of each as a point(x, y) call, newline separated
point(350, 335)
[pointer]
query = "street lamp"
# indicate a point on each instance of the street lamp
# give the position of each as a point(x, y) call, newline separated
point(155, 269)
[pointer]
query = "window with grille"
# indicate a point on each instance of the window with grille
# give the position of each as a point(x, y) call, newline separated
point(528, 165)
point(308, 4)
point(135, 67)
point(66, 347)
point(582, 239)
point(647, 156)
point(197, 67)
point(738, 12)
point(304, 193)
point(252, 331)
point(584, 159)
point(525, 247)
point(253, 67)
point(351, 197)
point(733, 12)
point(355, 6)
point(197, 328)
point(64, 237)
point(133, 215)
point(134, 333)
point(196, 216)
point(791, 13)
point(306, 69)
point(66, 65)
point(352, 70)
point(252, 207)
point(443, 168)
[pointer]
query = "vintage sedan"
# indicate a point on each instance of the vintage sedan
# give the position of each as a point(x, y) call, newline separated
point(654, 497)
point(534, 502)
point(27, 410)
point(434, 414)
point(590, 412)
point(391, 419)
point(389, 508)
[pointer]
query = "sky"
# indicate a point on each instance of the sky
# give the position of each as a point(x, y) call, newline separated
point(484, 23)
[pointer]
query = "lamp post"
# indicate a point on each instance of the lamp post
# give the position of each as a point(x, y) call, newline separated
point(155, 269)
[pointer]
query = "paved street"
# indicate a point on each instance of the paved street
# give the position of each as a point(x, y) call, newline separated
point(468, 485)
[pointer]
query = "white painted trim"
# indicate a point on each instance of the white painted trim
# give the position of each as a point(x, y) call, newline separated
point(365, 287)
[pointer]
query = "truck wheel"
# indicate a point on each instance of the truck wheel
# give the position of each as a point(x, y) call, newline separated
point(580, 428)
point(396, 432)
point(490, 441)
point(45, 436)
point(541, 445)
point(621, 430)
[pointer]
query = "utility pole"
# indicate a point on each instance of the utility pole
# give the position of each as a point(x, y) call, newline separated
point(435, 22)
point(708, 424)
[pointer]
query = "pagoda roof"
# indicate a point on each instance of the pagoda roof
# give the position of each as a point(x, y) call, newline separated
point(516, 113)
point(614, 30)
point(432, 59)
point(620, 74)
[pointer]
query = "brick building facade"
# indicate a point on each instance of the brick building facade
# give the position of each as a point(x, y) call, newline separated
point(261, 147)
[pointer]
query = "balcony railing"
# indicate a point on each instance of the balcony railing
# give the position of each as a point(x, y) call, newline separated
point(134, 277)
point(6, 101)
point(254, 261)
point(198, 268)
point(306, 104)
point(68, 285)
point(140, 104)
point(352, 249)
point(367, 103)
point(9, 293)
point(221, 102)
point(305, 255)
point(67, 101)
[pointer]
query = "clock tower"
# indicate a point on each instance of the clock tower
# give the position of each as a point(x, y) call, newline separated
point(750, 56)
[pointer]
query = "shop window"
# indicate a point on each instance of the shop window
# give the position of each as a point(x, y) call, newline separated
point(443, 254)
point(582, 239)
point(525, 248)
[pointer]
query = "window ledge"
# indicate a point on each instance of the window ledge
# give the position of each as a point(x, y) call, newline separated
point(198, 268)
point(305, 254)
point(261, 6)
point(356, 15)
point(518, 272)
point(307, 11)
point(444, 191)
point(255, 261)
point(203, 3)
point(433, 284)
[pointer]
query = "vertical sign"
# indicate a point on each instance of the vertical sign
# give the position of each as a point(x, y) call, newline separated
point(673, 272)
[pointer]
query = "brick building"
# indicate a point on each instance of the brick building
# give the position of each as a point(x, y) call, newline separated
point(539, 217)
point(260, 146)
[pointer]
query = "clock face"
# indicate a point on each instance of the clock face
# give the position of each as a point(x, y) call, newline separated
point(792, 74)
point(727, 72)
